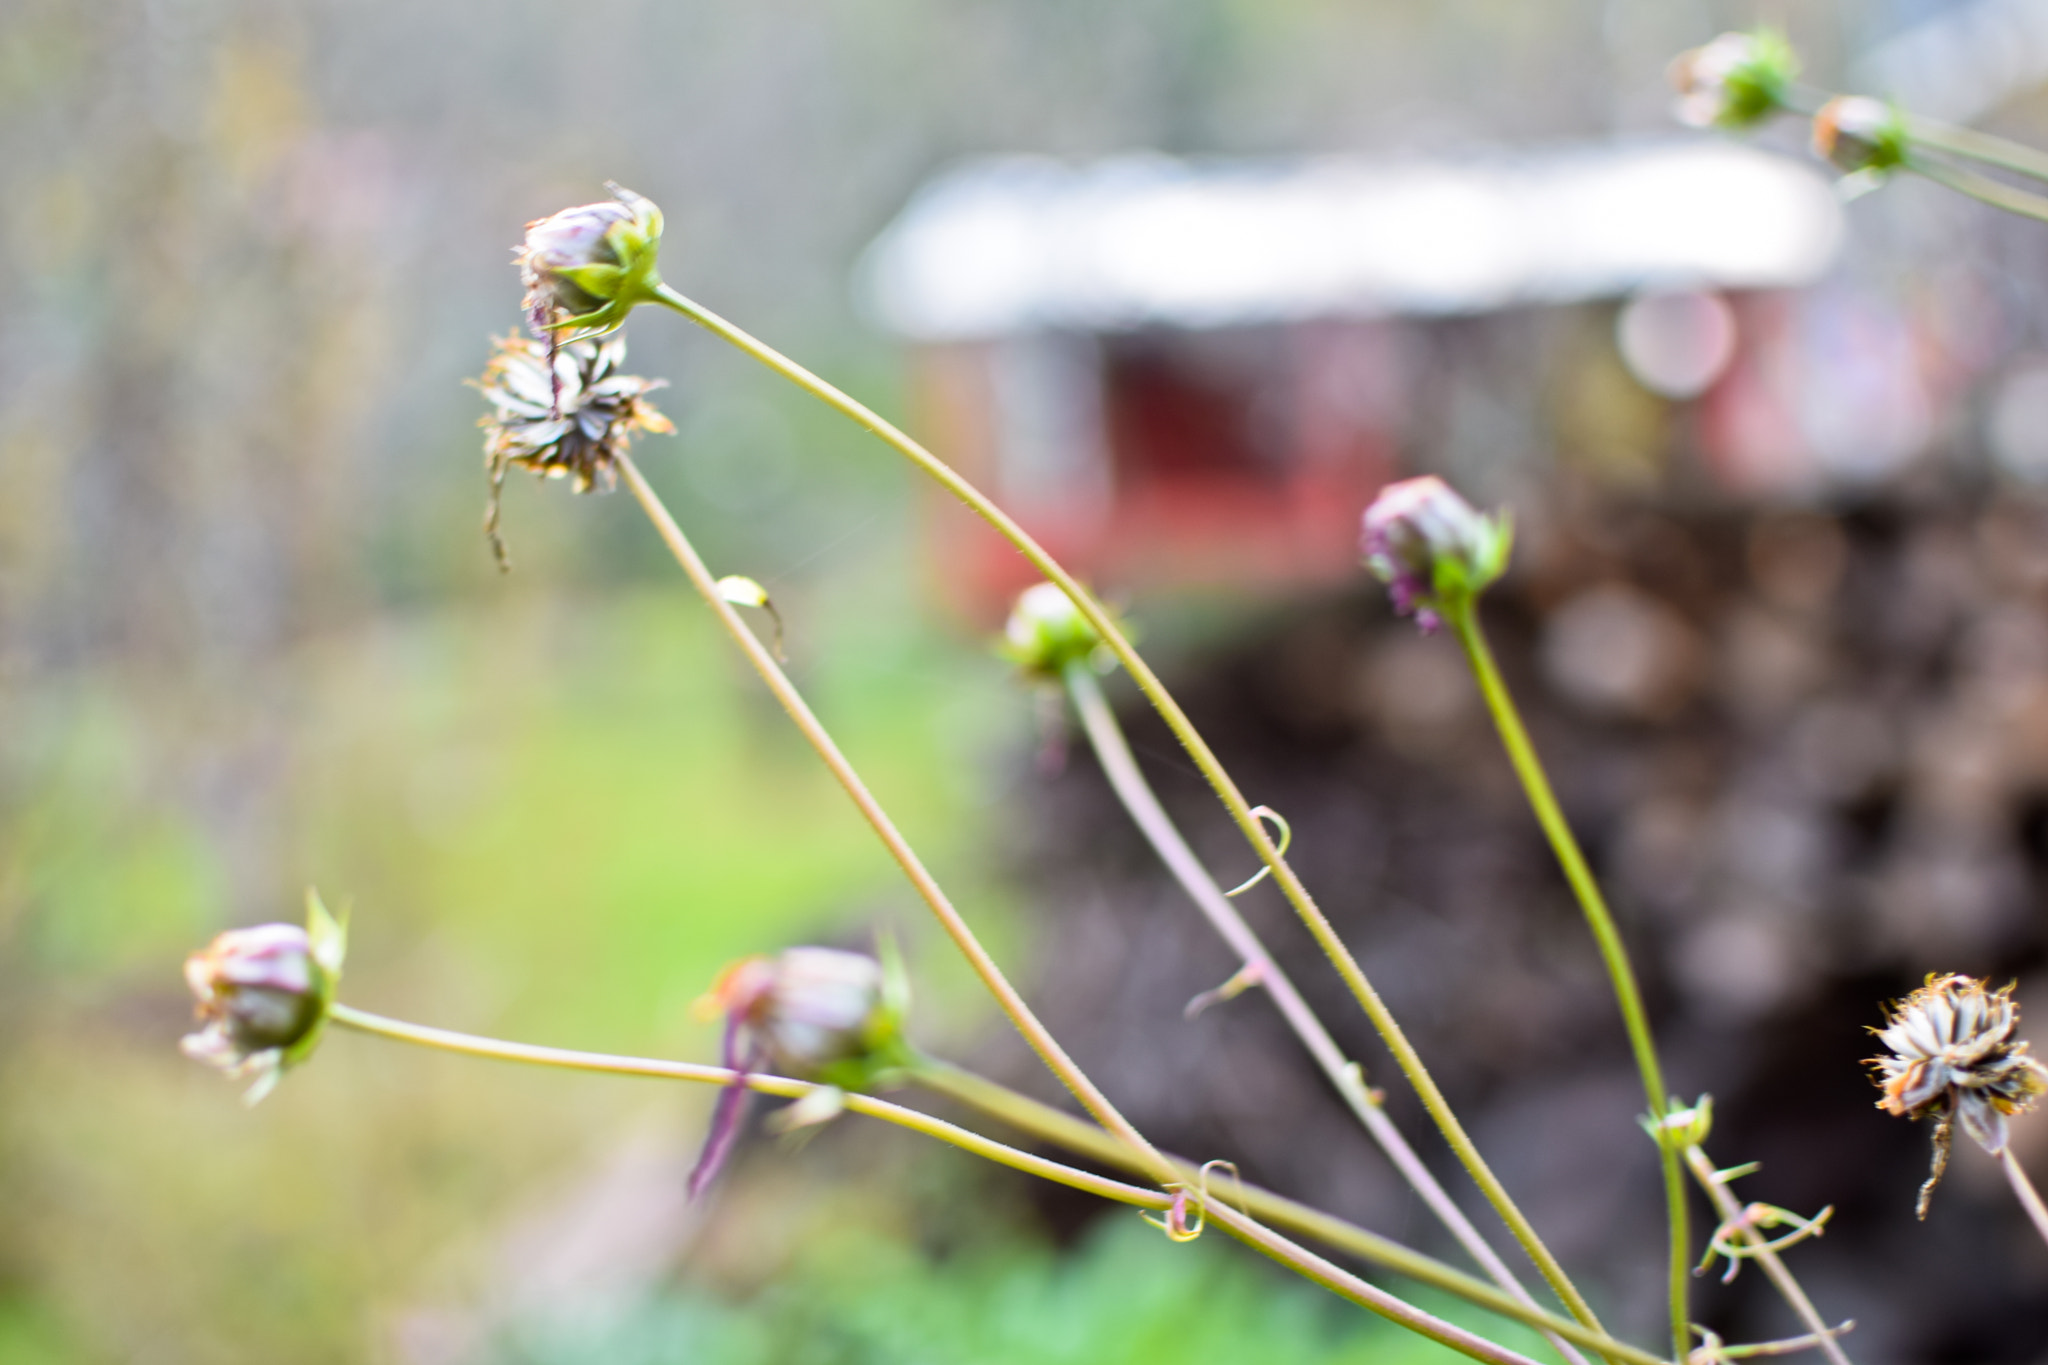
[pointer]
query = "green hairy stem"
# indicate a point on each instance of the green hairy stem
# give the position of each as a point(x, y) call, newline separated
point(1464, 622)
point(1239, 1225)
point(1114, 753)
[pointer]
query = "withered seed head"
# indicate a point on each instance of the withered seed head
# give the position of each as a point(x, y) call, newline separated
point(1953, 1055)
point(562, 411)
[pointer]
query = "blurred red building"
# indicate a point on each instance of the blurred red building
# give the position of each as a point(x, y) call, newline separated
point(1183, 373)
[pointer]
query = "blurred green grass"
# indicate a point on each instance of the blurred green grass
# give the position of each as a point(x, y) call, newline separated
point(555, 814)
point(1127, 1296)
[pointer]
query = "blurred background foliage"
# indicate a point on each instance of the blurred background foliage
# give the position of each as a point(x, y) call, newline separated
point(1124, 1295)
point(251, 638)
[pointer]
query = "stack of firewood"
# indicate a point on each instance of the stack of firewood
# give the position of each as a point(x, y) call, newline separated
point(1807, 752)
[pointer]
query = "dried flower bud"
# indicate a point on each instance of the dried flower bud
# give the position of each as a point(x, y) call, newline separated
point(586, 268)
point(1953, 1055)
point(264, 994)
point(818, 1012)
point(1046, 632)
point(1431, 549)
point(562, 411)
point(1860, 134)
point(1736, 81)
point(809, 1008)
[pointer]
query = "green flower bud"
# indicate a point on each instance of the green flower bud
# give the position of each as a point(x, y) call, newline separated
point(1858, 134)
point(1046, 632)
point(586, 268)
point(264, 994)
point(1736, 81)
point(1431, 549)
point(1684, 1125)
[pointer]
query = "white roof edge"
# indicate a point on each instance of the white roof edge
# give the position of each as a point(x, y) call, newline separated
point(1017, 244)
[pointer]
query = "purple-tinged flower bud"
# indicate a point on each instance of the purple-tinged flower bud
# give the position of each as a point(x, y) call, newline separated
point(1953, 1055)
point(819, 1013)
point(1858, 134)
point(808, 1008)
point(1046, 632)
point(1431, 549)
point(585, 268)
point(264, 994)
point(1736, 81)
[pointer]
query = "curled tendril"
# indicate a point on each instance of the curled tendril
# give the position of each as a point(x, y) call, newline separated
point(1755, 1218)
point(1175, 1224)
point(1274, 818)
point(1712, 1350)
point(1250, 975)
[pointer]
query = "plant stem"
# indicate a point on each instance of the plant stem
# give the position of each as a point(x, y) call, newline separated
point(1204, 759)
point(1981, 187)
point(1079, 1136)
point(1968, 143)
point(1338, 1280)
point(1128, 781)
point(1295, 1257)
point(2029, 1198)
point(1464, 621)
point(496, 1049)
point(1035, 1033)
point(1729, 1207)
point(1981, 147)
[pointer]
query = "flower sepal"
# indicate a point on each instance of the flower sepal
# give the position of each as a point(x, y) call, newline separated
point(327, 941)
